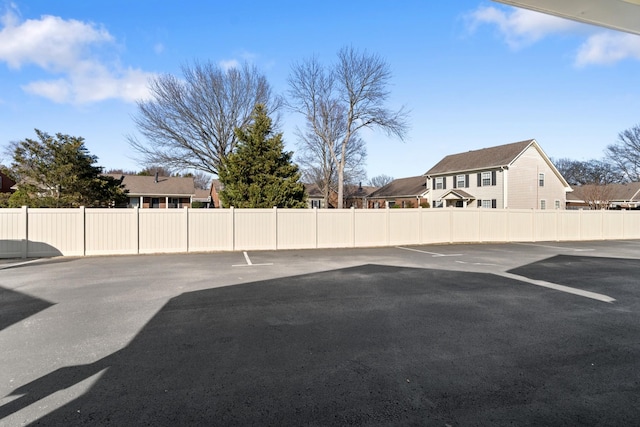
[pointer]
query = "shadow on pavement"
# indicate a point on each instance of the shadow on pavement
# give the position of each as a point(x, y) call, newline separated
point(364, 345)
point(16, 306)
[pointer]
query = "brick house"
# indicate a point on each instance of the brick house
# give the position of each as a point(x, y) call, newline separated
point(517, 176)
point(158, 191)
point(609, 196)
point(403, 192)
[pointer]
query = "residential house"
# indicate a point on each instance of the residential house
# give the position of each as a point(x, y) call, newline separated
point(208, 198)
point(6, 184)
point(315, 198)
point(403, 192)
point(517, 176)
point(610, 196)
point(354, 196)
point(158, 191)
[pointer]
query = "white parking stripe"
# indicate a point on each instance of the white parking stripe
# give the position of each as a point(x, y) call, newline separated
point(556, 247)
point(557, 287)
point(249, 263)
point(434, 254)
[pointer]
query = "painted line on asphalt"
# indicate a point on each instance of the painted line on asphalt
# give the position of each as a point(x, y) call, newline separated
point(249, 263)
point(557, 287)
point(433, 254)
point(477, 263)
point(18, 264)
point(555, 247)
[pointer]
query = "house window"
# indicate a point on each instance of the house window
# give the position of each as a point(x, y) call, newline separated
point(486, 179)
point(438, 204)
point(543, 204)
point(541, 179)
point(461, 181)
point(155, 202)
point(557, 204)
point(439, 183)
point(315, 204)
point(391, 203)
point(488, 204)
point(459, 204)
point(174, 202)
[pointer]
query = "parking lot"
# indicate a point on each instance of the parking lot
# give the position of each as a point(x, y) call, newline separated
point(543, 333)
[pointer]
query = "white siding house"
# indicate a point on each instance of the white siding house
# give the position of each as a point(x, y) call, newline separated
point(517, 176)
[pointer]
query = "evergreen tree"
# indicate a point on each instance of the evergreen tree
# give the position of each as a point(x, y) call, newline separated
point(59, 172)
point(259, 174)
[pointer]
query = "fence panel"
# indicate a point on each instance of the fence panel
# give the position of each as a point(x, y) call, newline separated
point(210, 230)
point(13, 233)
point(371, 227)
point(546, 225)
point(404, 226)
point(54, 232)
point(520, 225)
point(162, 230)
point(111, 231)
point(297, 228)
point(436, 226)
point(465, 225)
point(631, 224)
point(493, 224)
point(335, 228)
point(255, 229)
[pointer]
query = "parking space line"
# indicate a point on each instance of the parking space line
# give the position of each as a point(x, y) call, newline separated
point(18, 264)
point(433, 254)
point(555, 247)
point(249, 263)
point(557, 287)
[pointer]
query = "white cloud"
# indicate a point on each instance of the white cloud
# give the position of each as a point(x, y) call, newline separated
point(519, 27)
point(229, 64)
point(68, 49)
point(607, 48)
point(522, 27)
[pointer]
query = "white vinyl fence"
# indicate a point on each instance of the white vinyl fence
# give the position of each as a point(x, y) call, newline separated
point(77, 232)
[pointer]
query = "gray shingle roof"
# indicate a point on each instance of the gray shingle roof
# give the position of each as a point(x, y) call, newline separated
point(486, 158)
point(402, 187)
point(613, 192)
point(166, 186)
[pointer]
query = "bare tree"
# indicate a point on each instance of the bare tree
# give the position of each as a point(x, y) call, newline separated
point(625, 153)
point(380, 180)
point(189, 123)
point(338, 101)
point(598, 172)
point(320, 168)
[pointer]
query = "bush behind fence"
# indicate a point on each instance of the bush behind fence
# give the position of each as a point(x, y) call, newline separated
point(77, 232)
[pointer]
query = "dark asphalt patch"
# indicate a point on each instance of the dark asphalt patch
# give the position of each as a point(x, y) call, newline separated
point(369, 345)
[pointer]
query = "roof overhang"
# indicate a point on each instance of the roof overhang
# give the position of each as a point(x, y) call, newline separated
point(622, 15)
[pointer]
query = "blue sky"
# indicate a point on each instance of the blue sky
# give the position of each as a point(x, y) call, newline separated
point(473, 73)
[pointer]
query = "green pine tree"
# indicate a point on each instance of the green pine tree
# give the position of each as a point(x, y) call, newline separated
point(60, 172)
point(259, 174)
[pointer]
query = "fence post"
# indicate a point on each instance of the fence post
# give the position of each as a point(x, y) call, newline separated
point(25, 231)
point(275, 227)
point(186, 220)
point(232, 228)
point(388, 225)
point(83, 226)
point(136, 225)
point(353, 227)
point(316, 225)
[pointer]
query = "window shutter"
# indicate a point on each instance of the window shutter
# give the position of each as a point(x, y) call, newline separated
point(433, 183)
point(494, 203)
point(479, 179)
point(466, 181)
point(455, 182)
point(479, 203)
point(444, 182)
point(493, 177)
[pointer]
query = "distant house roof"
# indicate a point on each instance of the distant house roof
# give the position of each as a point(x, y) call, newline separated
point(629, 192)
point(313, 191)
point(402, 187)
point(351, 191)
point(139, 185)
point(485, 158)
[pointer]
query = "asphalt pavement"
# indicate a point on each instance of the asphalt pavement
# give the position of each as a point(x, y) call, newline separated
point(505, 334)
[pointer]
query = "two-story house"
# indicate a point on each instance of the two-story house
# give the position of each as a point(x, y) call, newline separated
point(516, 176)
